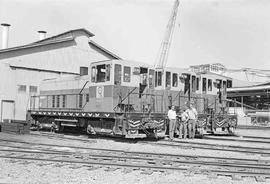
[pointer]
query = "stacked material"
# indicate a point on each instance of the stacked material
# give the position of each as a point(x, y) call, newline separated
point(15, 126)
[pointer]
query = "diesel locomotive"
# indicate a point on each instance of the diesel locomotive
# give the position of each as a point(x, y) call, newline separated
point(131, 99)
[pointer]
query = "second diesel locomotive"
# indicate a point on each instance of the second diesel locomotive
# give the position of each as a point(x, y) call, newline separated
point(131, 99)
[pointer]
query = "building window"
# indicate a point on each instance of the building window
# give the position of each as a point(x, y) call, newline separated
point(22, 88)
point(127, 72)
point(83, 70)
point(53, 101)
point(204, 85)
point(80, 100)
point(87, 97)
point(168, 79)
point(64, 101)
point(117, 74)
point(33, 89)
point(209, 84)
point(58, 101)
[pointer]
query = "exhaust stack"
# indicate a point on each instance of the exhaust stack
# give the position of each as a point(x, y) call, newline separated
point(42, 35)
point(5, 33)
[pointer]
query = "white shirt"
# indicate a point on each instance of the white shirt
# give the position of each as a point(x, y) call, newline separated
point(192, 113)
point(184, 116)
point(171, 114)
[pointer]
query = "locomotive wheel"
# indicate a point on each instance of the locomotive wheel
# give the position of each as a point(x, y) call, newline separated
point(61, 128)
point(231, 130)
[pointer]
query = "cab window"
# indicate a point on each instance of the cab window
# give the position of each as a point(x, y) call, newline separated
point(204, 85)
point(93, 74)
point(158, 79)
point(229, 83)
point(127, 71)
point(117, 74)
point(143, 74)
point(193, 83)
point(174, 79)
point(151, 78)
point(108, 72)
point(209, 85)
point(224, 85)
point(197, 83)
point(168, 79)
point(100, 73)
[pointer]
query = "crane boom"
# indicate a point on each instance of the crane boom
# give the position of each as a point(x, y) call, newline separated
point(166, 43)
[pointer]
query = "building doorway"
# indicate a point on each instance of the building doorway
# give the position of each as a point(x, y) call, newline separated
point(7, 109)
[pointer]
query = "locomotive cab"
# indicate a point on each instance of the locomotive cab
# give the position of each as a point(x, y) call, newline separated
point(125, 90)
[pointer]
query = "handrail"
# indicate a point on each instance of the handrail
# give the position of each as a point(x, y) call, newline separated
point(81, 93)
point(127, 95)
point(234, 101)
point(125, 98)
point(83, 87)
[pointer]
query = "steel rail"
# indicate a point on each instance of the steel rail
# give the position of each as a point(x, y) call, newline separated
point(236, 140)
point(134, 153)
point(255, 137)
point(159, 160)
point(193, 145)
point(130, 165)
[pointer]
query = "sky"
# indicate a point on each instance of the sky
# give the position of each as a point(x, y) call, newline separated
point(235, 33)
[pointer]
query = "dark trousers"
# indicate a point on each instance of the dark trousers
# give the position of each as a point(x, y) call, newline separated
point(182, 130)
point(191, 128)
point(171, 128)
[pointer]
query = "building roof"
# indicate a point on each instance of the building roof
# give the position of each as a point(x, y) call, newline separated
point(216, 74)
point(63, 37)
point(261, 86)
point(35, 44)
point(94, 44)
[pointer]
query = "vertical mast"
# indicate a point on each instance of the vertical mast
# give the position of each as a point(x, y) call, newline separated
point(166, 43)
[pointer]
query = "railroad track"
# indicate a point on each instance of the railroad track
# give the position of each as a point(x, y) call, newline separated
point(246, 139)
point(260, 169)
point(190, 145)
point(217, 147)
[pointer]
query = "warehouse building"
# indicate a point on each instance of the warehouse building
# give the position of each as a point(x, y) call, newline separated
point(23, 68)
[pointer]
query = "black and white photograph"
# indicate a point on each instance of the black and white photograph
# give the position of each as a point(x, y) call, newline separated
point(134, 91)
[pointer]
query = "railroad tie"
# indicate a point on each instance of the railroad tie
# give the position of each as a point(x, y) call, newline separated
point(190, 171)
point(91, 168)
point(75, 166)
point(127, 170)
point(260, 178)
point(110, 169)
point(236, 177)
point(212, 175)
point(147, 172)
point(58, 165)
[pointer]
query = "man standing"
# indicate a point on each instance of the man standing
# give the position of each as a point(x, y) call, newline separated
point(172, 119)
point(183, 124)
point(192, 118)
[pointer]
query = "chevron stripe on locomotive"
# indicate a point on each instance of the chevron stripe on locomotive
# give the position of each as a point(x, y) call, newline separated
point(131, 99)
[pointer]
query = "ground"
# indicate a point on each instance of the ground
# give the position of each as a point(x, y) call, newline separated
point(43, 172)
